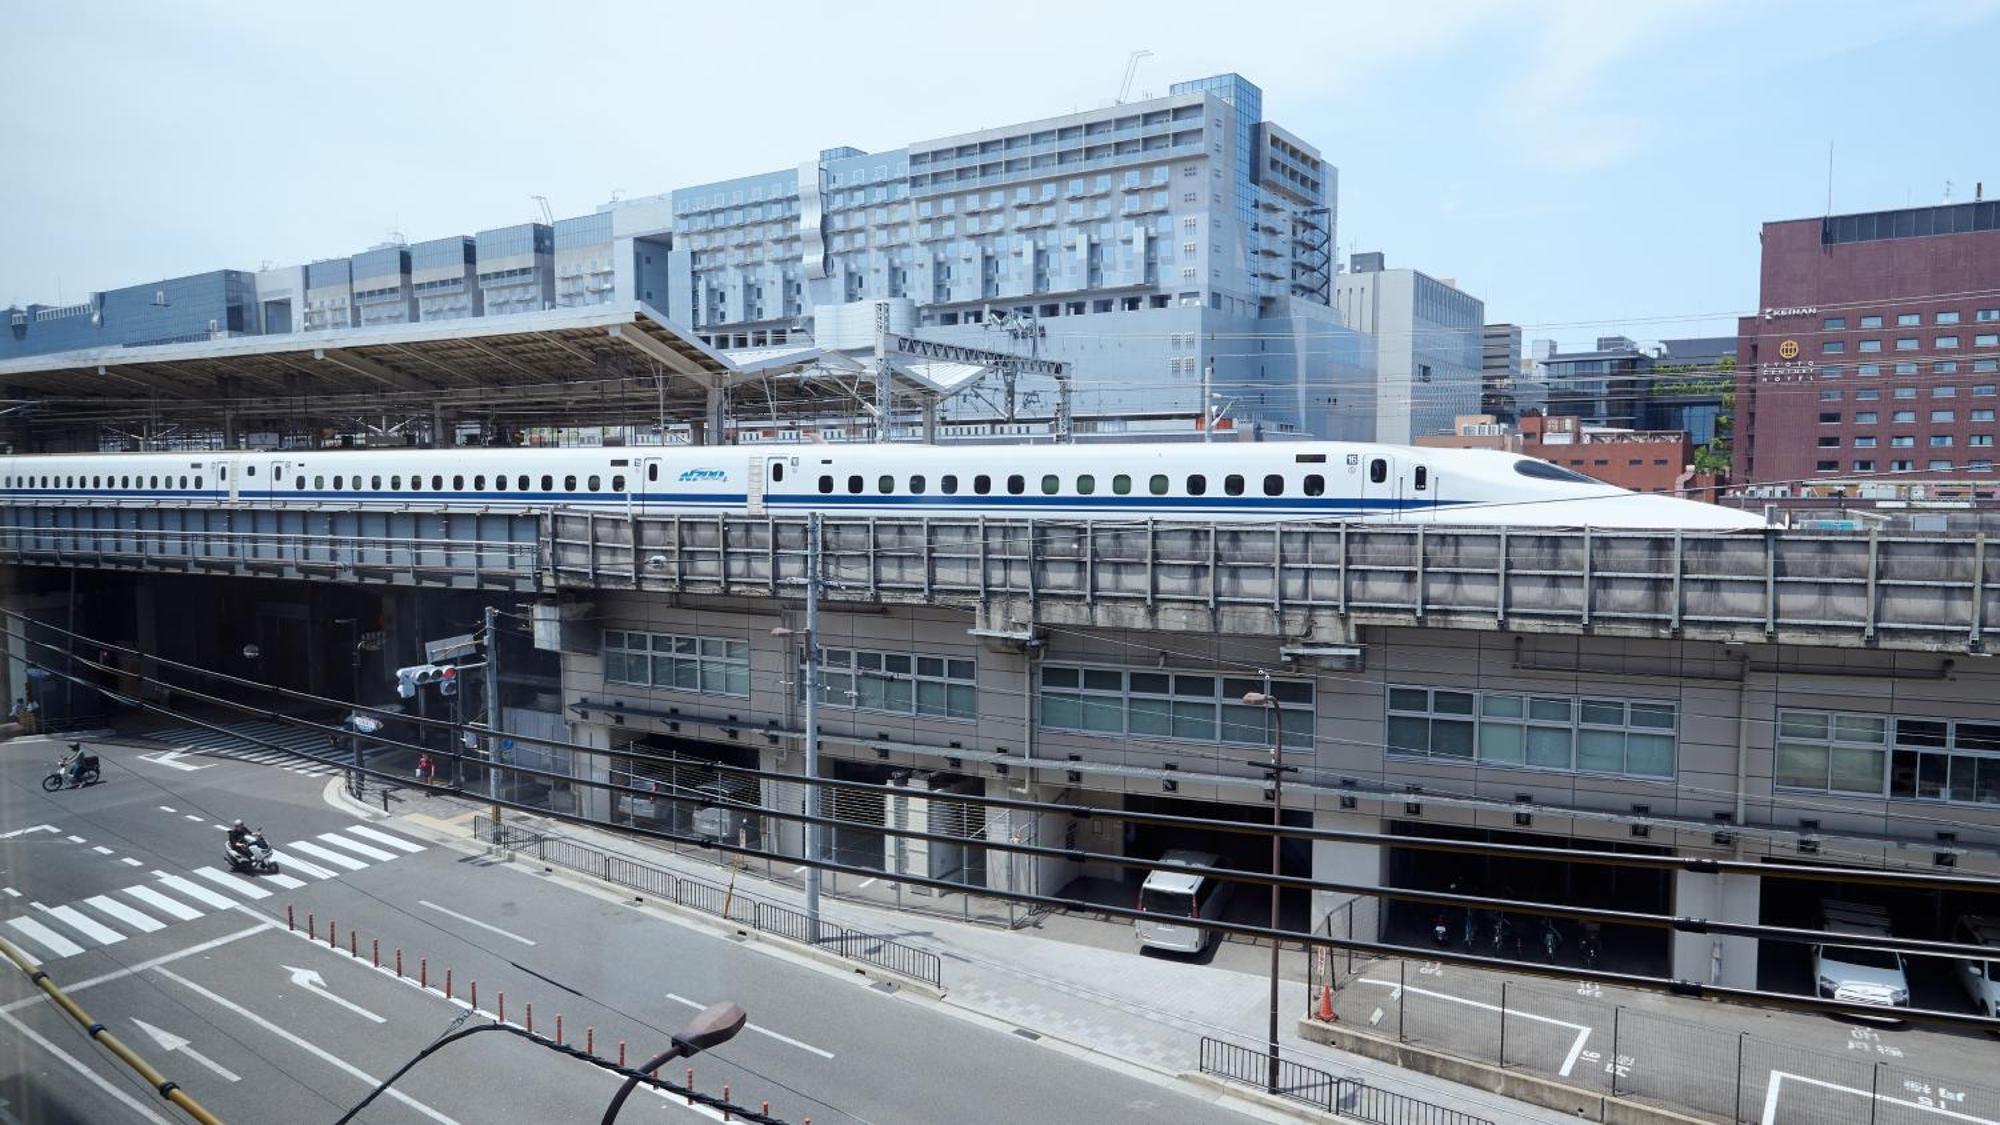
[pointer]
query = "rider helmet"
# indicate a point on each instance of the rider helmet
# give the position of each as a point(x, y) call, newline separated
point(239, 822)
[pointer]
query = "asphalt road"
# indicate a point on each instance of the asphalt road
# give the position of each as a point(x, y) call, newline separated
point(119, 890)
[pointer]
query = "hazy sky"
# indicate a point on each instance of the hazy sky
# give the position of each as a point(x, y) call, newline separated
point(1584, 167)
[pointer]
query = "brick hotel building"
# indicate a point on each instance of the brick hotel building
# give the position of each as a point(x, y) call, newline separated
point(1875, 356)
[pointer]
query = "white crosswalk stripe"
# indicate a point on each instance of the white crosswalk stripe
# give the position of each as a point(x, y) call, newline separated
point(89, 927)
point(301, 750)
point(56, 944)
point(287, 860)
point(326, 854)
point(195, 891)
point(163, 903)
point(137, 919)
point(396, 842)
point(235, 883)
point(355, 846)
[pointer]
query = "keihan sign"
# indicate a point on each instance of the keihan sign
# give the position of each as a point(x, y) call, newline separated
point(1796, 310)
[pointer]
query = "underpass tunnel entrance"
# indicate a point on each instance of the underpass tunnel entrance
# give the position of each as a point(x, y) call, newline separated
point(1639, 949)
point(1249, 904)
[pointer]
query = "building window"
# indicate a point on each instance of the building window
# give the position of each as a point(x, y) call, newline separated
point(1868, 370)
point(1828, 752)
point(1986, 340)
point(1832, 347)
point(900, 683)
point(1829, 417)
point(1943, 416)
point(709, 665)
point(1181, 706)
point(1984, 315)
point(1632, 737)
point(1829, 396)
point(1950, 317)
point(1941, 342)
point(1864, 441)
point(1910, 344)
point(1908, 320)
point(1938, 467)
point(1871, 322)
point(1864, 466)
point(1834, 323)
point(1870, 346)
point(1866, 417)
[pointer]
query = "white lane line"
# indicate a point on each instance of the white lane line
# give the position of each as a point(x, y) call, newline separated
point(759, 1030)
point(476, 922)
point(76, 839)
point(396, 842)
point(191, 816)
point(129, 970)
point(235, 883)
point(168, 809)
point(161, 902)
point(100, 849)
point(1575, 1047)
point(302, 865)
point(55, 943)
point(98, 1080)
point(11, 892)
point(82, 923)
point(324, 1056)
point(129, 861)
point(137, 919)
point(194, 890)
point(333, 857)
point(357, 847)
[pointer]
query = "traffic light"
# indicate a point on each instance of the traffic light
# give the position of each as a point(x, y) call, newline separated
point(448, 680)
point(410, 680)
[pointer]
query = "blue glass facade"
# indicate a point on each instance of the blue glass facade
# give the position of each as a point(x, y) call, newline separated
point(174, 311)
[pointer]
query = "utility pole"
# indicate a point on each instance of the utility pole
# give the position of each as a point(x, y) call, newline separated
point(493, 714)
point(1207, 387)
point(812, 726)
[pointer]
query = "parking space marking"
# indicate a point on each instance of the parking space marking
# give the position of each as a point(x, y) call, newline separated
point(697, 1005)
point(1575, 1048)
point(1779, 1077)
point(137, 919)
point(326, 854)
point(48, 939)
point(477, 922)
point(317, 1052)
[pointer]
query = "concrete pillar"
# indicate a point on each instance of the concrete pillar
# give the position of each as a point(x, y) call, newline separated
point(1353, 915)
point(909, 810)
point(785, 837)
point(1711, 958)
point(592, 802)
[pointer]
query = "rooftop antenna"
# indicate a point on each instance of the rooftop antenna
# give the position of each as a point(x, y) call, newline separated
point(1947, 191)
point(1131, 69)
point(547, 215)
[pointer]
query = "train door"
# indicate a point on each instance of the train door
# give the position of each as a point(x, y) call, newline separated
point(767, 475)
point(225, 481)
point(645, 480)
point(281, 480)
point(1379, 486)
point(1422, 494)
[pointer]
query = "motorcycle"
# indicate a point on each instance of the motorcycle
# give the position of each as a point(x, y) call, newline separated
point(1440, 931)
point(255, 857)
point(87, 773)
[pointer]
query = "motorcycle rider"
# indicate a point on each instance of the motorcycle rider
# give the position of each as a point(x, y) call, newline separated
point(239, 838)
point(72, 764)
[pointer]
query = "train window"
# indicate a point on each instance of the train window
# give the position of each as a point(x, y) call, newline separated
point(97, 482)
point(777, 470)
point(458, 482)
point(948, 484)
point(249, 470)
point(982, 484)
point(375, 483)
point(1086, 485)
point(1122, 484)
point(1274, 484)
point(1233, 484)
point(653, 471)
point(617, 482)
point(156, 482)
point(1378, 470)
point(355, 482)
point(1310, 459)
point(396, 482)
point(825, 484)
point(1197, 485)
point(1016, 484)
point(277, 472)
point(124, 482)
point(197, 482)
point(1051, 484)
point(592, 482)
point(1423, 478)
point(854, 484)
point(1159, 484)
point(336, 483)
point(1315, 485)
point(1542, 470)
point(917, 485)
point(521, 483)
point(222, 473)
point(548, 483)
point(885, 484)
point(184, 482)
point(569, 484)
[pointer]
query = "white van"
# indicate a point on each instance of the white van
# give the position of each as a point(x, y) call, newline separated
point(1168, 894)
point(1982, 978)
point(1855, 974)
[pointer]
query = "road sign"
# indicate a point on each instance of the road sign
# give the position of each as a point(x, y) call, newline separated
point(450, 647)
point(370, 641)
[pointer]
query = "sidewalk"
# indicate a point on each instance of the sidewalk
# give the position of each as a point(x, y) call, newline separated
point(1103, 997)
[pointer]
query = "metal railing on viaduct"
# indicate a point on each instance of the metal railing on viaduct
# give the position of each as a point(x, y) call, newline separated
point(1314, 584)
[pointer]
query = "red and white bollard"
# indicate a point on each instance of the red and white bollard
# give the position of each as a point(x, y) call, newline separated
point(621, 1053)
point(375, 951)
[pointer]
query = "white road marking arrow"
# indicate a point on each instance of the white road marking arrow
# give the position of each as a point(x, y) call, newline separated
point(313, 983)
point(170, 1042)
point(25, 831)
point(172, 760)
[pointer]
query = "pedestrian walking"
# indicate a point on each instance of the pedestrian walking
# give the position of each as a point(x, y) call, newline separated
point(425, 772)
point(31, 716)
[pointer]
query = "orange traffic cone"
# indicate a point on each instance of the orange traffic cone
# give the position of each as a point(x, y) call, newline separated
point(1326, 1005)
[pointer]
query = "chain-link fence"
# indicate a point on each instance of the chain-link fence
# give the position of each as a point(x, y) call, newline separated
point(1575, 1035)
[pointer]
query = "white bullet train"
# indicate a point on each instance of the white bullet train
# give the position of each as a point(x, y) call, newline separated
point(1260, 482)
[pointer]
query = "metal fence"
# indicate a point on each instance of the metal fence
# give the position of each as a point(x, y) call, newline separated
point(883, 953)
point(1577, 1035)
point(1343, 1097)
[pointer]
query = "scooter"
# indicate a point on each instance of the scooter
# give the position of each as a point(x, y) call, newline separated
point(1440, 931)
point(87, 774)
point(255, 858)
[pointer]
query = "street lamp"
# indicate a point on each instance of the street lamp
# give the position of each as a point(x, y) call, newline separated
point(1273, 719)
point(715, 1025)
point(811, 767)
